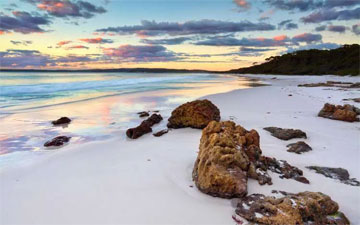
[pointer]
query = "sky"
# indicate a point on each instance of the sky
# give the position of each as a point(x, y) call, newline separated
point(180, 34)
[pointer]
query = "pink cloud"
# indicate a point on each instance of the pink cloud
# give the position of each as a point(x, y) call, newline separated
point(280, 38)
point(61, 43)
point(242, 3)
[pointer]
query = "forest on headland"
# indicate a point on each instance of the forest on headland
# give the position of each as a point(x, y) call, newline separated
point(341, 61)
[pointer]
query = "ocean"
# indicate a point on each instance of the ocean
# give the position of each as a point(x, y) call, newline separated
point(101, 105)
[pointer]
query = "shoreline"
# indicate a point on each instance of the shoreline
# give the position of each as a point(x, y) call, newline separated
point(113, 181)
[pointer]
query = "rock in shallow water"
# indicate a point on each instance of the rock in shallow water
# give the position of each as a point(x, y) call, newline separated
point(293, 209)
point(61, 121)
point(346, 112)
point(299, 147)
point(144, 127)
point(285, 134)
point(195, 114)
point(161, 133)
point(143, 114)
point(57, 141)
point(335, 173)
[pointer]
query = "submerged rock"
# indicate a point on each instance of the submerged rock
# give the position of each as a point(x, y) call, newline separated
point(144, 127)
point(195, 114)
point(143, 114)
point(285, 134)
point(293, 209)
point(57, 141)
point(346, 112)
point(161, 133)
point(336, 173)
point(352, 99)
point(299, 147)
point(61, 121)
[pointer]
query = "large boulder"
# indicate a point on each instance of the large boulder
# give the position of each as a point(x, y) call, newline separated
point(225, 159)
point(195, 114)
point(292, 209)
point(346, 112)
point(228, 155)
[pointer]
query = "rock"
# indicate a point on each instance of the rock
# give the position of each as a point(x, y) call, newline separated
point(284, 168)
point(293, 209)
point(333, 84)
point(161, 133)
point(352, 99)
point(299, 147)
point(57, 141)
point(144, 127)
point(346, 112)
point(285, 134)
point(229, 154)
point(61, 121)
point(195, 114)
point(336, 173)
point(221, 166)
point(143, 114)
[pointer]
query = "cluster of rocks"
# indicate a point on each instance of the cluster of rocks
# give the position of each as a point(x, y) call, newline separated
point(228, 155)
point(59, 140)
point(333, 84)
point(292, 209)
point(346, 112)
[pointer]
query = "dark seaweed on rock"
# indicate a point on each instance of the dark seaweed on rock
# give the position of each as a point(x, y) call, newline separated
point(336, 173)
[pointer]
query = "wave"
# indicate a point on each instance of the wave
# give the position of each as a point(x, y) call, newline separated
point(115, 84)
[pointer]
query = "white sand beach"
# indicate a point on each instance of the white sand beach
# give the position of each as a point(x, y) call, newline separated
point(149, 180)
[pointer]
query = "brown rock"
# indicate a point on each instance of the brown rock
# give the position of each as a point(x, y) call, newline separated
point(299, 147)
point(57, 141)
point(161, 133)
point(195, 114)
point(61, 121)
point(143, 114)
point(222, 164)
point(293, 209)
point(285, 134)
point(144, 127)
point(346, 112)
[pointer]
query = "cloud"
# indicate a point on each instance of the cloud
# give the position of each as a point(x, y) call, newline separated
point(141, 53)
point(61, 43)
point(281, 40)
point(313, 46)
point(307, 37)
point(307, 5)
point(166, 41)
point(77, 47)
point(243, 4)
point(15, 58)
point(356, 29)
point(68, 8)
point(320, 28)
point(332, 14)
point(25, 43)
point(267, 14)
point(23, 22)
point(287, 25)
point(97, 40)
point(245, 51)
point(152, 28)
point(338, 28)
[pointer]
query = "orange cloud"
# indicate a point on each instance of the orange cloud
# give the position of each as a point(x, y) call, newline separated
point(61, 43)
point(280, 38)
